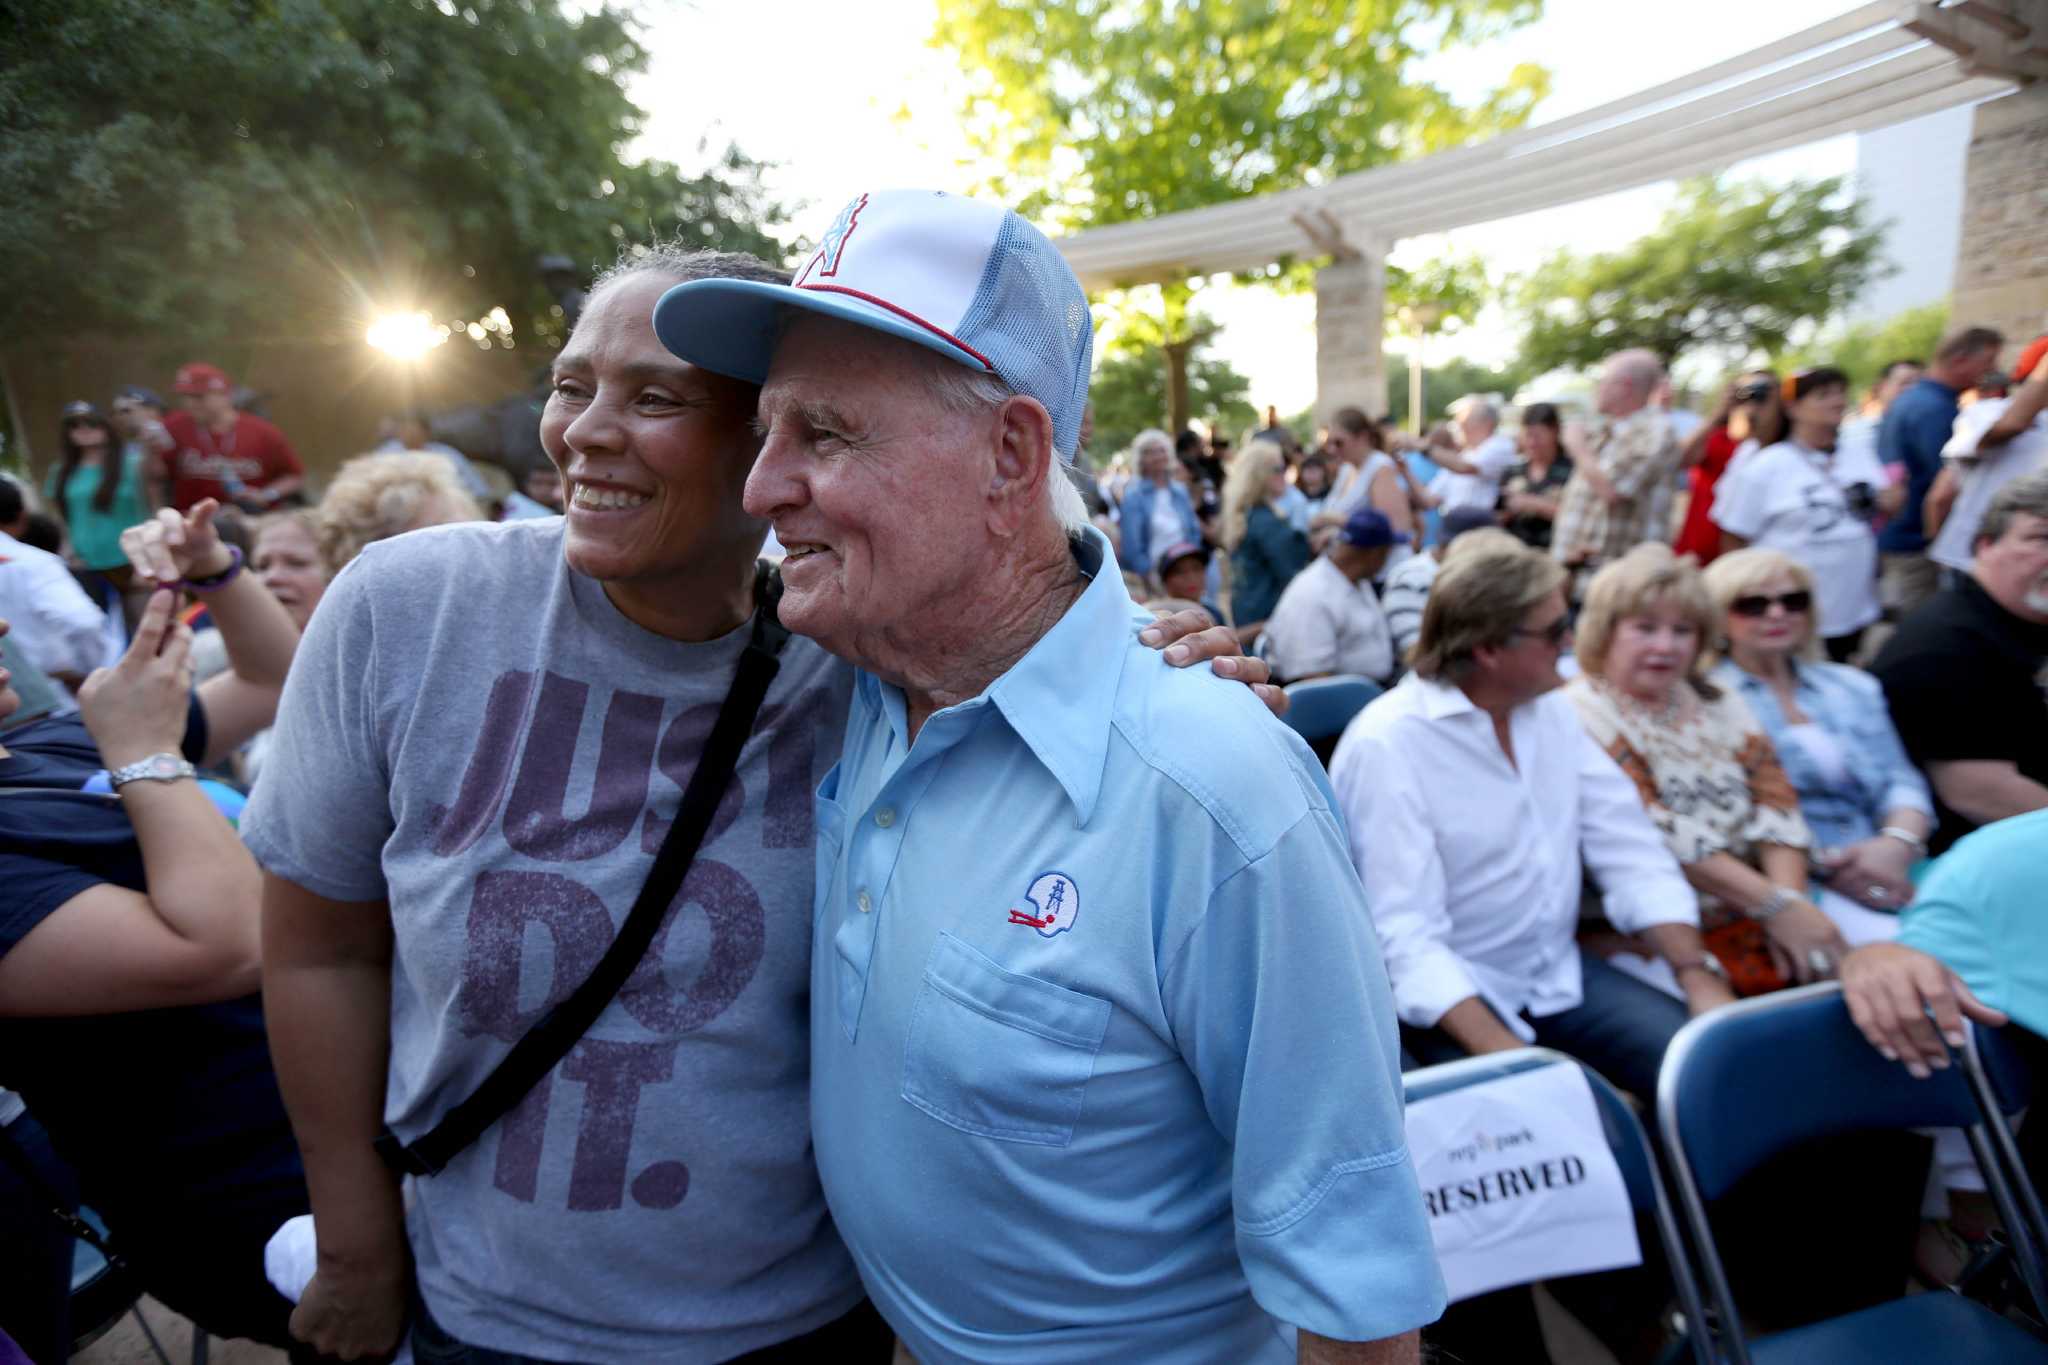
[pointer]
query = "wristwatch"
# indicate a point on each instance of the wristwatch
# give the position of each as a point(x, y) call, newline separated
point(155, 768)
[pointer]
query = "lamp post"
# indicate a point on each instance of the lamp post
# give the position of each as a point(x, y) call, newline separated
point(1418, 318)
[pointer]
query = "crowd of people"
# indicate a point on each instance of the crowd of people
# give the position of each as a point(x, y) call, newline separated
point(1014, 994)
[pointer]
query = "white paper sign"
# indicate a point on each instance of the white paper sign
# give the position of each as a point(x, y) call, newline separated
point(1519, 1182)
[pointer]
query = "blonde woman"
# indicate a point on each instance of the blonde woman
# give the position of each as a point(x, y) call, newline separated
point(1703, 766)
point(375, 497)
point(1867, 805)
point(1265, 550)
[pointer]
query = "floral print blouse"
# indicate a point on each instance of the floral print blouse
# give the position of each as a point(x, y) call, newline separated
point(1712, 782)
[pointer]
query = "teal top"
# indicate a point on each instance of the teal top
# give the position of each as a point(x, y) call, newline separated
point(1979, 911)
point(96, 535)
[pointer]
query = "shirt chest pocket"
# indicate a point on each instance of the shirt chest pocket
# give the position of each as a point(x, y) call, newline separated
point(997, 1054)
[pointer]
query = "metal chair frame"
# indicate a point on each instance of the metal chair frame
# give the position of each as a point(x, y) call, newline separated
point(1991, 1141)
point(1620, 1124)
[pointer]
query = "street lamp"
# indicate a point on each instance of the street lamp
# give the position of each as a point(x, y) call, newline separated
point(1418, 318)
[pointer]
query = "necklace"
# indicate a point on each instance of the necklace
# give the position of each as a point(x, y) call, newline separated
point(1665, 716)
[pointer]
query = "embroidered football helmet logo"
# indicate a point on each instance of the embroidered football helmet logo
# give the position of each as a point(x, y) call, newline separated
point(833, 244)
point(1054, 901)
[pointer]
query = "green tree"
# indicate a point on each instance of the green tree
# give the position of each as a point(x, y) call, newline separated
point(1104, 111)
point(1129, 394)
point(1863, 350)
point(251, 169)
point(1448, 290)
point(1735, 267)
point(1444, 382)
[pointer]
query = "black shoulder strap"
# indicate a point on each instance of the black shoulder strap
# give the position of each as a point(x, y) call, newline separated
point(549, 1040)
point(19, 1161)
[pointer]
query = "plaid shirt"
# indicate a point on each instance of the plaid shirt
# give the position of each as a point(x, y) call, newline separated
point(1639, 455)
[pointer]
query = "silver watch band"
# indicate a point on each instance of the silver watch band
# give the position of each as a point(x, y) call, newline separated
point(163, 767)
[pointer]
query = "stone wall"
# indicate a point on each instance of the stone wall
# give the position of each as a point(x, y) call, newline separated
point(2002, 265)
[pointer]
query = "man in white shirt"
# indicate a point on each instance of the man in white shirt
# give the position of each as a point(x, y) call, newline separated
point(1329, 620)
point(1474, 797)
point(1471, 476)
point(56, 626)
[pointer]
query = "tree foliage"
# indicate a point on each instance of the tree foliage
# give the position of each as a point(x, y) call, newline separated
point(1452, 288)
point(277, 167)
point(1862, 350)
point(1104, 111)
point(1129, 394)
point(1737, 267)
point(1444, 382)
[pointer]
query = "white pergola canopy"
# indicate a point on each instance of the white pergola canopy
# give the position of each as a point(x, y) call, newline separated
point(1879, 64)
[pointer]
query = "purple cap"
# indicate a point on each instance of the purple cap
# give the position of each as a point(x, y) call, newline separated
point(1369, 529)
point(1180, 549)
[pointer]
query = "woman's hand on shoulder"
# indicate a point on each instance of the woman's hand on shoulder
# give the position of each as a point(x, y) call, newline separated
point(1188, 637)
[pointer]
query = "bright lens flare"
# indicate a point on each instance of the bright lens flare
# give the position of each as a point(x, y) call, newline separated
point(406, 336)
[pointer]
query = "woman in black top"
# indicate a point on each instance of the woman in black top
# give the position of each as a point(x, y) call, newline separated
point(1529, 493)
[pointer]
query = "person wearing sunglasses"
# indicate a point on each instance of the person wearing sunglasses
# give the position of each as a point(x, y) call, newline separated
point(1704, 768)
point(1869, 808)
point(100, 488)
point(1814, 502)
point(1478, 810)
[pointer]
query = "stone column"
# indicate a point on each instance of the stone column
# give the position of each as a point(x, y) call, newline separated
point(2002, 263)
point(1351, 296)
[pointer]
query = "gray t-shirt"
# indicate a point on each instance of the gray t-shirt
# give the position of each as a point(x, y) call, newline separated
point(475, 734)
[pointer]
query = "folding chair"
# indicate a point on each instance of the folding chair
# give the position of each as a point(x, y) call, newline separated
point(1320, 708)
point(1752, 1079)
point(1625, 1137)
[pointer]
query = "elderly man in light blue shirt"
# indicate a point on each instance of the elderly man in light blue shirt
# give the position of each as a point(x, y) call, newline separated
point(1104, 1063)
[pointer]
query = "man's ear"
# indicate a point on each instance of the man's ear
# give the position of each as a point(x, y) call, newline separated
point(1024, 460)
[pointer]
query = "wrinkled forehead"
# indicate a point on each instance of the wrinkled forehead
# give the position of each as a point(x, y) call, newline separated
point(824, 363)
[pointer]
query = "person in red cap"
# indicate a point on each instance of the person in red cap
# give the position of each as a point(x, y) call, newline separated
point(222, 453)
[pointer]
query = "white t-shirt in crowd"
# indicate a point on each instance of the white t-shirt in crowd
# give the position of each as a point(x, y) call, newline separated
point(1325, 623)
point(1789, 498)
point(1166, 524)
point(53, 623)
point(1493, 458)
point(1353, 487)
point(1981, 476)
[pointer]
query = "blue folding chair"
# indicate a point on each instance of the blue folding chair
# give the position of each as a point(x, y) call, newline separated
point(1321, 707)
point(1746, 1082)
point(1625, 1137)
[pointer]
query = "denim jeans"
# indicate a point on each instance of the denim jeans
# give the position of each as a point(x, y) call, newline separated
point(1620, 1028)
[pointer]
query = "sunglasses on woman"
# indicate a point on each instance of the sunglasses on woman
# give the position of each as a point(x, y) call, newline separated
point(1756, 604)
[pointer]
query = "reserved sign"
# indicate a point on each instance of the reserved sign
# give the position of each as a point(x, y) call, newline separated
point(1519, 1182)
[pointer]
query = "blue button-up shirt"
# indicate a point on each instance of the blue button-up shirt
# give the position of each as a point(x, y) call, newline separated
point(1915, 428)
point(1103, 1056)
point(1847, 807)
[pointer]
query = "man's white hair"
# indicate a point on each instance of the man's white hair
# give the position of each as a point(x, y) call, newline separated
point(1151, 436)
point(960, 389)
point(1479, 409)
point(1639, 366)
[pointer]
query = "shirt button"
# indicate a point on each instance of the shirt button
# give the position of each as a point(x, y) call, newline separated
point(885, 817)
point(863, 902)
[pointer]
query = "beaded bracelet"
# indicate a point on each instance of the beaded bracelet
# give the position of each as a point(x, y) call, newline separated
point(221, 579)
